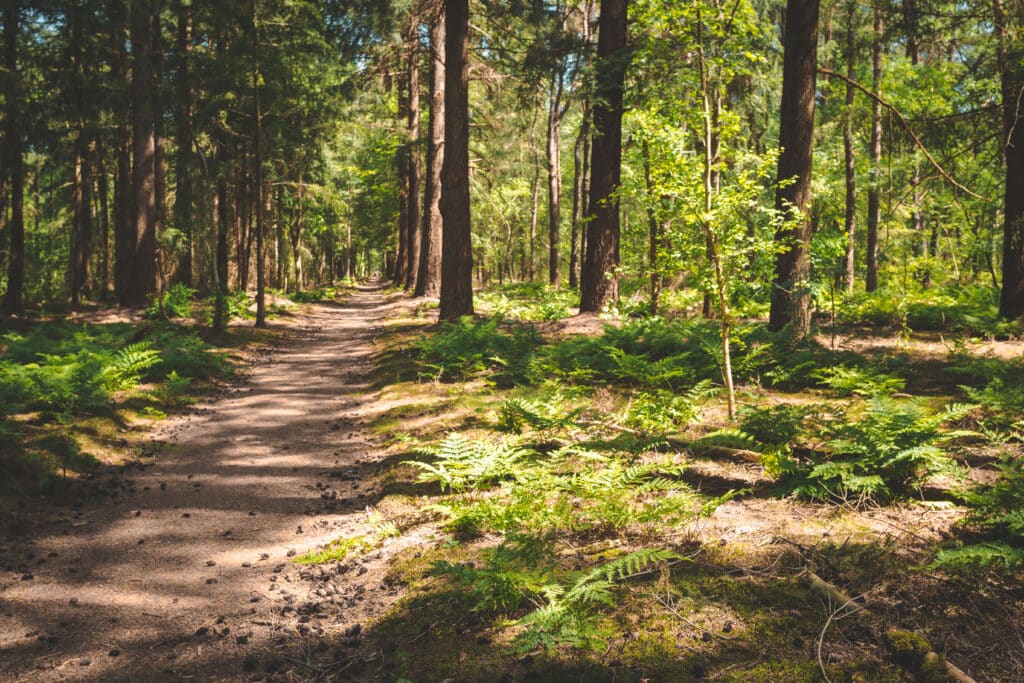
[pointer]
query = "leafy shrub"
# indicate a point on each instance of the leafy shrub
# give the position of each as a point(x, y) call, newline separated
point(177, 302)
point(850, 381)
point(542, 416)
point(662, 412)
point(997, 511)
point(776, 425)
point(887, 451)
point(461, 463)
point(466, 348)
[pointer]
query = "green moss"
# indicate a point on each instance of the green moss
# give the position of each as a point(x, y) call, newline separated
point(907, 648)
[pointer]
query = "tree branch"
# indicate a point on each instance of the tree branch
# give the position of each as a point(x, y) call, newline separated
point(899, 116)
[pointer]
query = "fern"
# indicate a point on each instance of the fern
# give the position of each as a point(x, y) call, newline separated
point(726, 438)
point(853, 381)
point(128, 365)
point(462, 463)
point(892, 448)
point(567, 616)
point(548, 416)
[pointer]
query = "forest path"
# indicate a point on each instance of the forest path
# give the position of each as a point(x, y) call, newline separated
point(185, 572)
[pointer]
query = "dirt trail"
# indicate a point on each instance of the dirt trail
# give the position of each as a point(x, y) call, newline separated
point(185, 573)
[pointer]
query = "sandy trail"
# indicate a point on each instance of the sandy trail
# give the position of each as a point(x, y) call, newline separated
point(185, 574)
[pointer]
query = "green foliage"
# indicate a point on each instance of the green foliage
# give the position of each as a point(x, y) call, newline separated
point(128, 365)
point(778, 425)
point(567, 615)
point(568, 491)
point(177, 302)
point(530, 301)
point(887, 451)
point(460, 463)
point(541, 416)
point(467, 348)
point(662, 412)
point(520, 571)
point(849, 381)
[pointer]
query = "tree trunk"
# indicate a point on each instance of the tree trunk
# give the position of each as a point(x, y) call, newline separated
point(654, 231)
point(142, 280)
point(600, 282)
point(791, 296)
point(14, 161)
point(554, 150)
point(875, 181)
point(412, 228)
point(123, 212)
point(578, 188)
point(457, 251)
point(402, 157)
point(850, 216)
point(534, 199)
point(428, 283)
point(183, 172)
point(1011, 300)
point(261, 266)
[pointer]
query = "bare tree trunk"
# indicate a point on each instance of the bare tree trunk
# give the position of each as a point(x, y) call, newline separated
point(403, 155)
point(428, 283)
point(415, 168)
point(654, 231)
point(183, 173)
point(791, 295)
point(14, 161)
point(578, 191)
point(599, 283)
point(1011, 300)
point(457, 254)
point(874, 185)
point(534, 199)
point(261, 267)
point(850, 216)
point(143, 271)
point(554, 163)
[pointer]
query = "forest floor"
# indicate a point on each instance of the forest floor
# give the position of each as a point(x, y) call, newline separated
point(186, 568)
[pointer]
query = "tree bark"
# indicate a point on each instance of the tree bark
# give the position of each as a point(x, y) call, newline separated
point(1011, 299)
point(791, 296)
point(850, 217)
point(402, 155)
point(428, 283)
point(554, 154)
point(183, 160)
point(599, 282)
point(412, 228)
point(261, 266)
point(874, 183)
point(457, 251)
point(14, 162)
point(142, 279)
point(534, 199)
point(578, 191)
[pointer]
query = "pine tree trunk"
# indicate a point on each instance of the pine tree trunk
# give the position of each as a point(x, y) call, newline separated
point(791, 295)
point(14, 161)
point(143, 270)
point(534, 200)
point(429, 281)
point(412, 228)
point(457, 254)
point(261, 266)
point(1011, 300)
point(599, 284)
point(554, 160)
point(183, 159)
point(875, 181)
point(578, 191)
point(850, 216)
point(402, 156)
